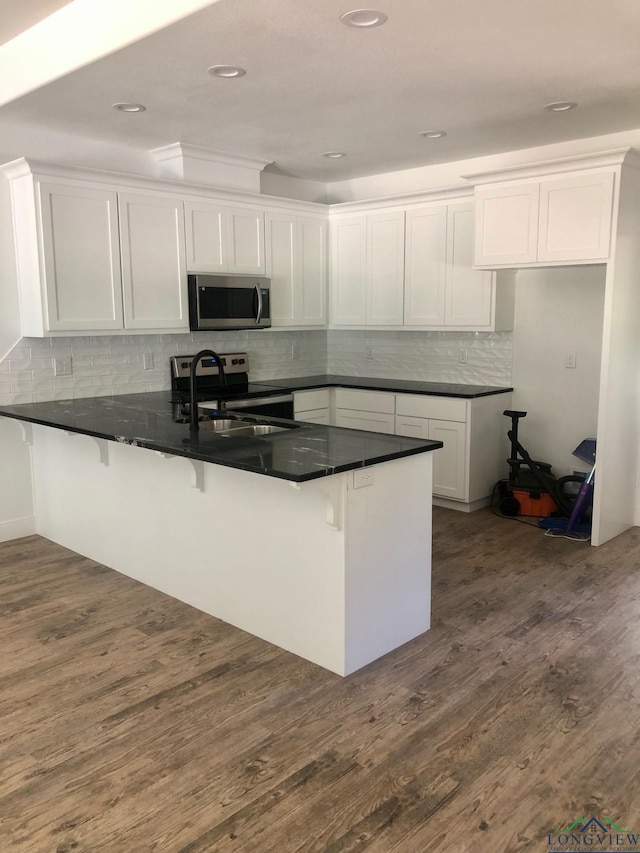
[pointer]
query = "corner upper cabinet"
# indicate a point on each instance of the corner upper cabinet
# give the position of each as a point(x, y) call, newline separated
point(367, 278)
point(222, 239)
point(442, 288)
point(556, 220)
point(297, 266)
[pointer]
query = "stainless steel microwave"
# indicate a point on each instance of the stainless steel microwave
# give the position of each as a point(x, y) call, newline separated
point(228, 302)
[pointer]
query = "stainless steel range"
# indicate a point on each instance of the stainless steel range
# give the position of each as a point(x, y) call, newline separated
point(235, 394)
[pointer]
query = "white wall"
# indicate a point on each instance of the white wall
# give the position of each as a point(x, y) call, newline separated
point(558, 311)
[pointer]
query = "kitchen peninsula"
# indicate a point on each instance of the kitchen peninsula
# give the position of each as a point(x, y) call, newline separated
point(316, 538)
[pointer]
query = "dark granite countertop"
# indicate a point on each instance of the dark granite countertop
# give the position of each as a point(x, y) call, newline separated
point(148, 420)
point(440, 389)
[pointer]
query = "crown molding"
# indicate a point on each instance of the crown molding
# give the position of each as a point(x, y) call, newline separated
point(598, 160)
point(208, 155)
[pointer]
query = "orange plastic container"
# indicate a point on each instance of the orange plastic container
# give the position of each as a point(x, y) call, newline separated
point(539, 504)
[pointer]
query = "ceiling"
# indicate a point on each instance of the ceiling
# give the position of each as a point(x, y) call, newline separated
point(481, 71)
point(16, 17)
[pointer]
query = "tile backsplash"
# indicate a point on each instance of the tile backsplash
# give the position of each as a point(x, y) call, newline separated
point(472, 358)
point(116, 364)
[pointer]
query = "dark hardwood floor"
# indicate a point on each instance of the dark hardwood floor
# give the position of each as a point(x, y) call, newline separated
point(132, 723)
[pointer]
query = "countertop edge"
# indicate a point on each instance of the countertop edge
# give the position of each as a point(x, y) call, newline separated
point(189, 453)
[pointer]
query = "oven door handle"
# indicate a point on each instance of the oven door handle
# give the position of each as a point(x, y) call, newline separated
point(259, 295)
point(256, 401)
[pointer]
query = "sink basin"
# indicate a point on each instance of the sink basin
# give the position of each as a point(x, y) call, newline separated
point(239, 428)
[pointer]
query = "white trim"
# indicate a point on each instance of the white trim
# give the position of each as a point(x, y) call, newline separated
point(603, 159)
point(179, 150)
point(17, 528)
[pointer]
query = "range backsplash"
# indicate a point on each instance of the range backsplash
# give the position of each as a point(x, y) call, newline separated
point(115, 364)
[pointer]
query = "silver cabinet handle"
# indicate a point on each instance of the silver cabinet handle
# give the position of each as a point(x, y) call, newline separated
point(259, 315)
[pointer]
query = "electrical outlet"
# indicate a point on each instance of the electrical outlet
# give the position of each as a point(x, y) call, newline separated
point(463, 356)
point(362, 477)
point(148, 361)
point(63, 366)
point(570, 360)
point(370, 353)
point(294, 351)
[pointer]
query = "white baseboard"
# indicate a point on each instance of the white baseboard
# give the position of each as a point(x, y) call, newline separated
point(17, 528)
point(461, 506)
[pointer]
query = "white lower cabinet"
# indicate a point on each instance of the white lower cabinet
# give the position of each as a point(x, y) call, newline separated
point(313, 406)
point(373, 411)
point(472, 431)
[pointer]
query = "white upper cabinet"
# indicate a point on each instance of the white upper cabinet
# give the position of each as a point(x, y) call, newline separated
point(425, 266)
point(93, 259)
point(81, 253)
point(349, 271)
point(368, 269)
point(154, 275)
point(575, 218)
point(297, 267)
point(470, 293)
point(442, 289)
point(385, 268)
point(559, 220)
point(223, 239)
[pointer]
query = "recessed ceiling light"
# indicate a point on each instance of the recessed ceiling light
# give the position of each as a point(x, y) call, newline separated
point(334, 155)
point(226, 71)
point(561, 106)
point(129, 108)
point(363, 18)
point(433, 134)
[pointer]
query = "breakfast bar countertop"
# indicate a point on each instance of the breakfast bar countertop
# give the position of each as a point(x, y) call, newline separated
point(151, 420)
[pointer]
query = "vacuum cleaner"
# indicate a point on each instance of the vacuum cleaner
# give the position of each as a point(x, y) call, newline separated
point(532, 488)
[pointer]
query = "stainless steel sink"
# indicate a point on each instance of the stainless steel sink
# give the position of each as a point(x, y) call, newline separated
point(239, 428)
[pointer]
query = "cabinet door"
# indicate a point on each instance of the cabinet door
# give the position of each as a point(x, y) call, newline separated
point(469, 292)
point(506, 223)
point(449, 463)
point(154, 272)
point(412, 427)
point(575, 218)
point(296, 264)
point(312, 272)
point(368, 421)
point(349, 268)
point(245, 241)
point(281, 253)
point(81, 252)
point(206, 237)
point(385, 269)
point(425, 266)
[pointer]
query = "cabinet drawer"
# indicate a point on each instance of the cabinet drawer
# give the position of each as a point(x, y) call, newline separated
point(365, 401)
point(368, 421)
point(436, 408)
point(304, 401)
point(315, 416)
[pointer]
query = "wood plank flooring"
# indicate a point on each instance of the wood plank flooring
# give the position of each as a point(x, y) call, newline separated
point(132, 723)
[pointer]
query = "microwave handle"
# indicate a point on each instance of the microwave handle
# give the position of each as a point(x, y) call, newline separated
point(259, 295)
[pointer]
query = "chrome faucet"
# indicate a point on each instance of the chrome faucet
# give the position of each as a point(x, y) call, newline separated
point(193, 405)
